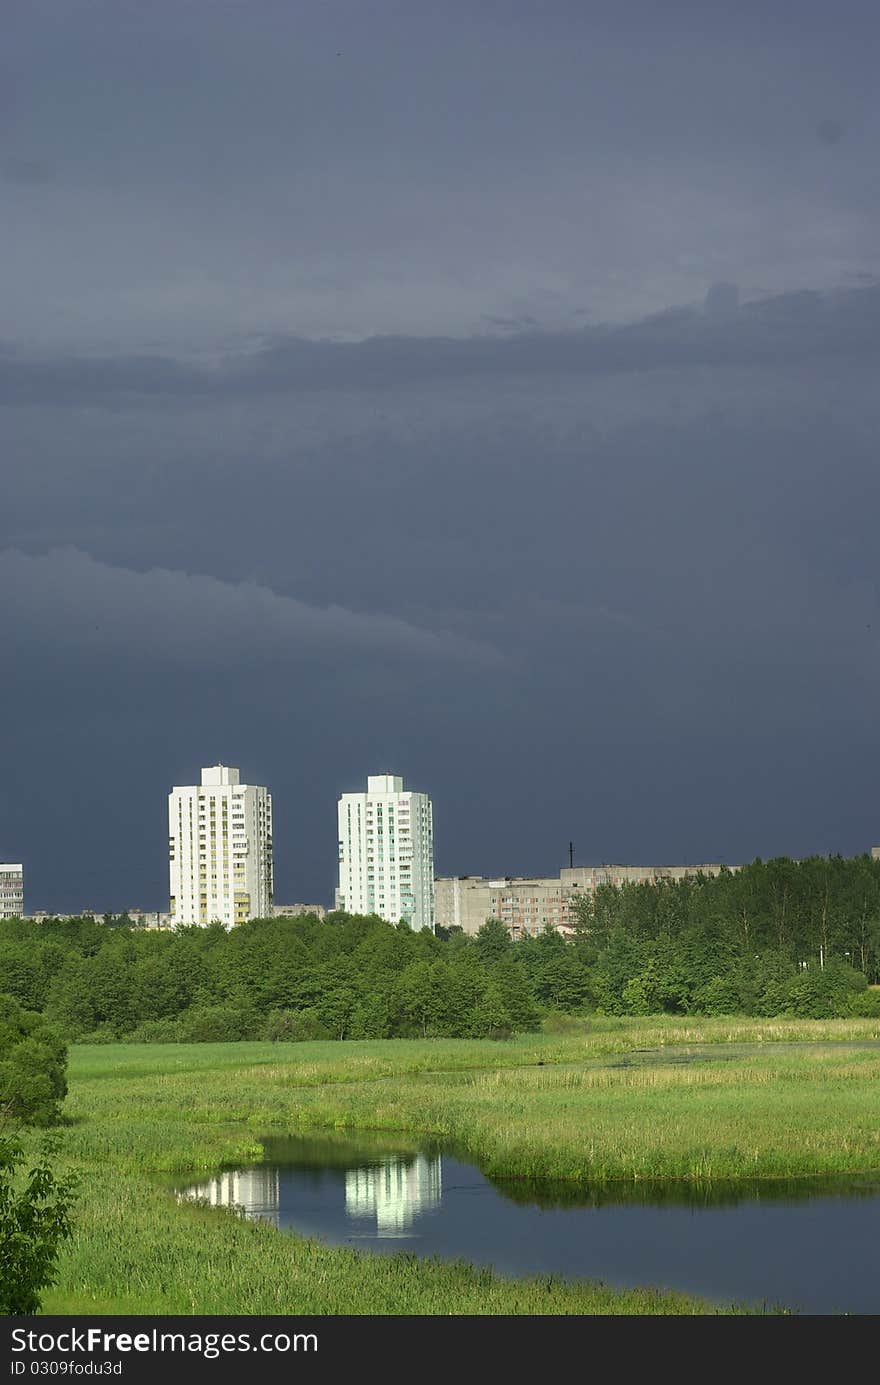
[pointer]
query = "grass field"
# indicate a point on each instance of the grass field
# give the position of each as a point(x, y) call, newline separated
point(587, 1104)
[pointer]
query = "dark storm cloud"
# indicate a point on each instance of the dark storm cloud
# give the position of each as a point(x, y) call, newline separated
point(341, 170)
point(781, 330)
point(26, 171)
point(469, 392)
point(830, 131)
point(722, 300)
point(67, 603)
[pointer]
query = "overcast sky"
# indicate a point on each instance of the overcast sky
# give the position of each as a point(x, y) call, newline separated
point(482, 393)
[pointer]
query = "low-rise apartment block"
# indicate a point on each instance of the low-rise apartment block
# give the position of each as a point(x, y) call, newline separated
point(132, 918)
point(292, 911)
point(527, 904)
point(11, 891)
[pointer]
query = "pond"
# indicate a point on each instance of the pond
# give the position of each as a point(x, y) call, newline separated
point(810, 1246)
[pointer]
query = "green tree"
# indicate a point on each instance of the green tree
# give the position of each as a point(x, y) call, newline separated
point(493, 940)
point(420, 998)
point(492, 1019)
point(516, 993)
point(32, 1067)
point(465, 980)
point(70, 1004)
point(371, 1018)
point(335, 1010)
point(22, 974)
point(167, 978)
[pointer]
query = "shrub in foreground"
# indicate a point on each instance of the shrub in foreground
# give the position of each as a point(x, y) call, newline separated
point(34, 1220)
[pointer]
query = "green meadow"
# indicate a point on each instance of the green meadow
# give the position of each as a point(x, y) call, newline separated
point(603, 1102)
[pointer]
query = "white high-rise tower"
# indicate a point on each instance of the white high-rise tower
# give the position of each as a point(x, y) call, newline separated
point(386, 853)
point(220, 850)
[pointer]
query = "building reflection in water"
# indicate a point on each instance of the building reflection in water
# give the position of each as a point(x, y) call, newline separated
point(256, 1191)
point(394, 1192)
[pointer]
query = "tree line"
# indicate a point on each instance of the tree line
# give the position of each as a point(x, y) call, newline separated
point(777, 937)
point(345, 977)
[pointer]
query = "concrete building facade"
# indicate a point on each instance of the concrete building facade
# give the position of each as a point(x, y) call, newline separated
point(137, 918)
point(386, 853)
point(527, 904)
point(292, 911)
point(220, 850)
point(11, 891)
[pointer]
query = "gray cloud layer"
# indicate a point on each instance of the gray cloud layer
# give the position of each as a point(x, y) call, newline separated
point(68, 603)
point(220, 170)
point(779, 331)
point(485, 394)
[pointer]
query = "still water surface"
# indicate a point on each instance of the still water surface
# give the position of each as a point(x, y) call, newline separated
point(810, 1247)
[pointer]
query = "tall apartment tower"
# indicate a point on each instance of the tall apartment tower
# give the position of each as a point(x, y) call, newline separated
point(11, 891)
point(386, 853)
point(220, 850)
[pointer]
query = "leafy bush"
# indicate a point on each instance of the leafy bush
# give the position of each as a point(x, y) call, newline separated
point(32, 1067)
point(157, 1032)
point(104, 1034)
point(865, 1004)
point(720, 996)
point(34, 1220)
point(294, 1026)
point(556, 1023)
point(823, 992)
point(217, 1024)
point(638, 996)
